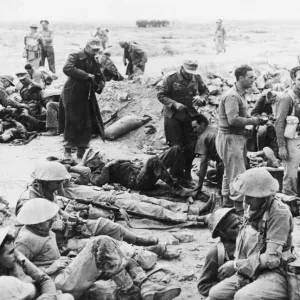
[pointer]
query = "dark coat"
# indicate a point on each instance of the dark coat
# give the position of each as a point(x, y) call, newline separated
point(79, 113)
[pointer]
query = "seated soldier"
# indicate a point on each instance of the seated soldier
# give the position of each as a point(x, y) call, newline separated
point(108, 68)
point(6, 81)
point(32, 117)
point(206, 148)
point(263, 246)
point(23, 280)
point(132, 176)
point(36, 76)
point(100, 258)
point(266, 135)
point(224, 224)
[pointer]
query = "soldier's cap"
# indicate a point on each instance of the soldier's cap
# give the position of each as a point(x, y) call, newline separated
point(94, 43)
point(190, 66)
point(33, 26)
point(9, 78)
point(256, 182)
point(37, 210)
point(22, 75)
point(294, 71)
point(3, 233)
point(219, 21)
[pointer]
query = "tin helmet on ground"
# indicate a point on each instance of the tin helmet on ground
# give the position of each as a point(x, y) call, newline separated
point(50, 171)
point(37, 210)
point(216, 217)
point(256, 182)
point(190, 66)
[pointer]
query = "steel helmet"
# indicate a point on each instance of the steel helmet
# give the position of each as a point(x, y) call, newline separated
point(256, 182)
point(216, 218)
point(13, 288)
point(50, 171)
point(37, 210)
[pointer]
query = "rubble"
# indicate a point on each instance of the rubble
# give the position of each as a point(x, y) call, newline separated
point(184, 236)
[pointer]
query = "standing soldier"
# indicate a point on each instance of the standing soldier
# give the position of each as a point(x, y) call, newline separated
point(34, 44)
point(289, 107)
point(79, 111)
point(48, 51)
point(220, 36)
point(231, 141)
point(178, 93)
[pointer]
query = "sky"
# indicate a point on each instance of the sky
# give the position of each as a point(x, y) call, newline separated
point(131, 10)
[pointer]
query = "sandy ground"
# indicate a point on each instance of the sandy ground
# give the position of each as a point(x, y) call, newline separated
point(258, 44)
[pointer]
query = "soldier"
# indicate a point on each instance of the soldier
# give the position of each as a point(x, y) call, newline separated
point(138, 56)
point(206, 148)
point(223, 223)
point(289, 152)
point(108, 67)
point(263, 246)
point(220, 36)
point(79, 113)
point(231, 141)
point(48, 51)
point(34, 44)
point(23, 278)
point(179, 93)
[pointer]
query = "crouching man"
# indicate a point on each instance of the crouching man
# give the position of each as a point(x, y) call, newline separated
point(223, 223)
point(20, 278)
point(101, 258)
point(263, 246)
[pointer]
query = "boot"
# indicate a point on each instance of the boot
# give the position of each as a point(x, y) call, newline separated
point(127, 290)
point(68, 153)
point(182, 191)
point(51, 132)
point(162, 251)
point(134, 293)
point(146, 241)
point(154, 291)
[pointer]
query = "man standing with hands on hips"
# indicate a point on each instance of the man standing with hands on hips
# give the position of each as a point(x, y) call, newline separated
point(231, 141)
point(179, 93)
point(79, 113)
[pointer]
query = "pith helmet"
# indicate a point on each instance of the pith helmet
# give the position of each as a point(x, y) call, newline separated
point(216, 218)
point(9, 78)
point(256, 182)
point(50, 171)
point(37, 210)
point(3, 233)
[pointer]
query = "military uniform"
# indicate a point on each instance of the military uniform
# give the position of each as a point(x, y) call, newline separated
point(178, 124)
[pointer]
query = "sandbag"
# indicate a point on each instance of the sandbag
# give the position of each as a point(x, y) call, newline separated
point(101, 290)
point(125, 125)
